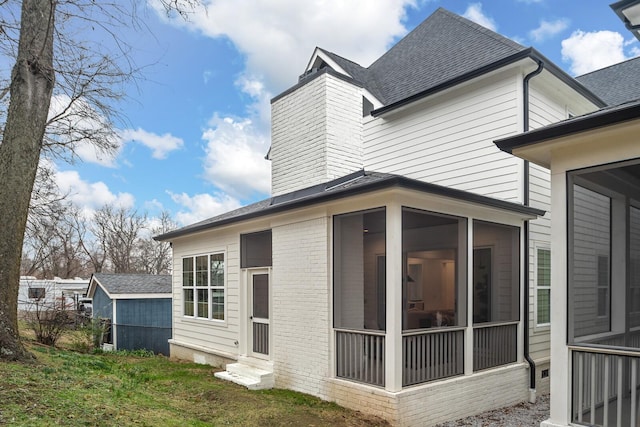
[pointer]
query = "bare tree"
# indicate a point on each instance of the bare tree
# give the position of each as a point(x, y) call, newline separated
point(155, 257)
point(52, 244)
point(31, 87)
point(85, 81)
point(120, 231)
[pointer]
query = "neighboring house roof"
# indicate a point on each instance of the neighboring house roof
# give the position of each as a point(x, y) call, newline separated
point(131, 284)
point(598, 119)
point(441, 52)
point(356, 183)
point(615, 84)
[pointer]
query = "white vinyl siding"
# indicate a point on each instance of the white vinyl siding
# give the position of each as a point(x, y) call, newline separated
point(218, 335)
point(539, 237)
point(448, 140)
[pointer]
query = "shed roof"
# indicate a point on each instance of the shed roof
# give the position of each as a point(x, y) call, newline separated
point(128, 284)
point(353, 184)
point(616, 84)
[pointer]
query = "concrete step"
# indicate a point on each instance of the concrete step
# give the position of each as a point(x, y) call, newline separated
point(251, 377)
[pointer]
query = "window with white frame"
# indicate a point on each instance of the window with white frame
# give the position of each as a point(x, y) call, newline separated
point(203, 286)
point(543, 286)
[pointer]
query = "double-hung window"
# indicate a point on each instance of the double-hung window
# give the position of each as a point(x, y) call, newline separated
point(203, 286)
point(543, 284)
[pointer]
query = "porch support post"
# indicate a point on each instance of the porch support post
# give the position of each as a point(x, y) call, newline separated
point(560, 411)
point(393, 340)
point(468, 335)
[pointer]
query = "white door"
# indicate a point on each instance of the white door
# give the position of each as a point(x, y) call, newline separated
point(259, 313)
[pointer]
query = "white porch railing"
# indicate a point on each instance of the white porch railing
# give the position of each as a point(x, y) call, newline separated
point(494, 344)
point(427, 354)
point(360, 356)
point(432, 355)
point(605, 386)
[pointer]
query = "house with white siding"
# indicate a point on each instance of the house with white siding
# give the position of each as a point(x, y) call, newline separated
point(402, 258)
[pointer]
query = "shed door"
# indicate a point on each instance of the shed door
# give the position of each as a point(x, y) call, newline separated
point(260, 309)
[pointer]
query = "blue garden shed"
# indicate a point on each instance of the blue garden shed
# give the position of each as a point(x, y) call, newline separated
point(137, 307)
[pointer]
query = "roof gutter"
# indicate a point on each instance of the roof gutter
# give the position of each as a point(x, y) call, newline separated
point(527, 355)
point(589, 122)
point(394, 181)
point(526, 53)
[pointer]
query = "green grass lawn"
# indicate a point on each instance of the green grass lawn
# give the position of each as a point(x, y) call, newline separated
point(66, 388)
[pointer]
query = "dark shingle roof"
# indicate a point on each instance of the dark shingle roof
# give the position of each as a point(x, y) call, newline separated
point(349, 185)
point(615, 84)
point(442, 51)
point(134, 283)
point(441, 48)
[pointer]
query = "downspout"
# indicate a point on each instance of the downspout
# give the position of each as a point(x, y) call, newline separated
point(527, 356)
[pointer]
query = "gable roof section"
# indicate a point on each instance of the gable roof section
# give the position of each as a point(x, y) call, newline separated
point(350, 185)
point(441, 52)
point(616, 84)
point(132, 284)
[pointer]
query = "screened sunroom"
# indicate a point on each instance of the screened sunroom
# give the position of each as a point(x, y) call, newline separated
point(595, 267)
point(421, 295)
point(604, 293)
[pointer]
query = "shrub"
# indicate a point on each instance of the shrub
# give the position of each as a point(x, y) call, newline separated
point(48, 322)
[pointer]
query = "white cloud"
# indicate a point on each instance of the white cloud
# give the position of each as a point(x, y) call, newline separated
point(548, 29)
point(202, 206)
point(588, 51)
point(474, 13)
point(278, 38)
point(160, 145)
point(234, 159)
point(90, 196)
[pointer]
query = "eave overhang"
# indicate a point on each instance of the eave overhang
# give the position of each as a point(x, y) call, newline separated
point(530, 52)
point(629, 13)
point(391, 182)
point(571, 127)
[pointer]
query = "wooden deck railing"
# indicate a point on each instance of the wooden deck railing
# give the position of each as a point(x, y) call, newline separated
point(605, 386)
point(360, 356)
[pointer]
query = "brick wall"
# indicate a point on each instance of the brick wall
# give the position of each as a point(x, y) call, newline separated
point(316, 134)
point(300, 286)
point(433, 403)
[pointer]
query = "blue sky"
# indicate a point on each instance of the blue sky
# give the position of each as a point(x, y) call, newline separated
point(197, 126)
